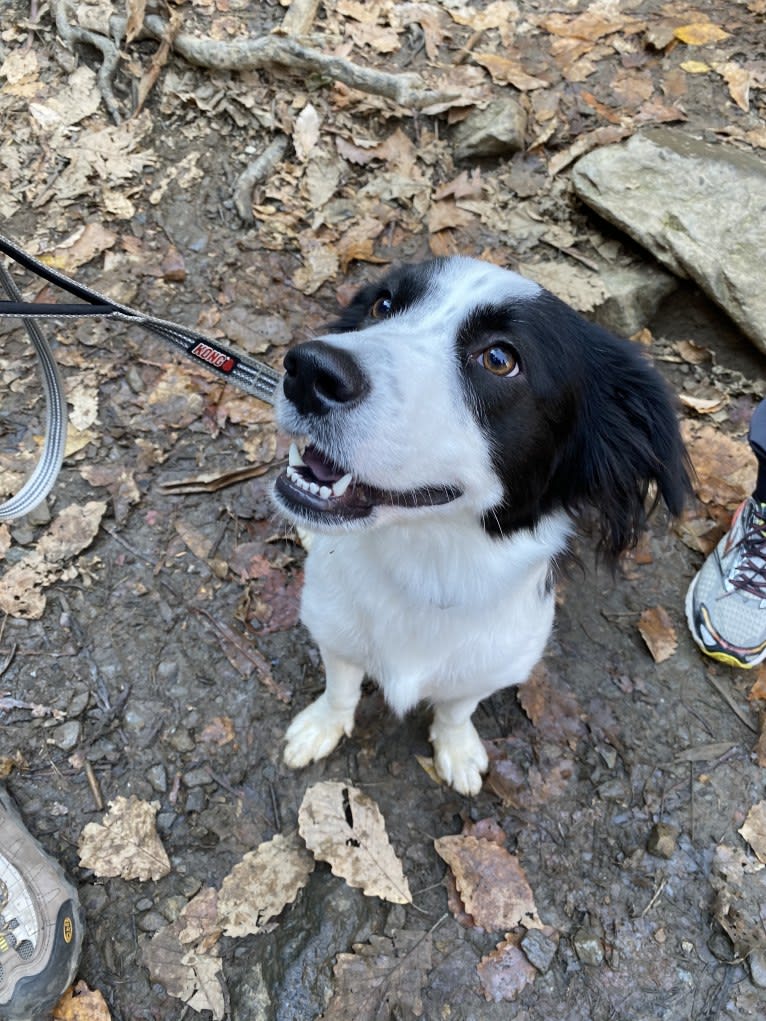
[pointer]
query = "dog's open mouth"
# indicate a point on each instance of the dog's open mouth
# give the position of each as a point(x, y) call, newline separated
point(312, 486)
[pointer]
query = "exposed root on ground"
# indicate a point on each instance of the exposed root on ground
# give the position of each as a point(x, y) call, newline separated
point(73, 34)
point(283, 53)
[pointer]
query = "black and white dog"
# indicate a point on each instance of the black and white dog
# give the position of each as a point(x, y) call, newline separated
point(458, 419)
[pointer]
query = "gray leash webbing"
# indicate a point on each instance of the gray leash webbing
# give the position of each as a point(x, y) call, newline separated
point(254, 377)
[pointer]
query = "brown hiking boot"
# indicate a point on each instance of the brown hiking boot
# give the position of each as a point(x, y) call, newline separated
point(40, 923)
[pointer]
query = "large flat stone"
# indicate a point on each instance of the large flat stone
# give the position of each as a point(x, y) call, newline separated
point(699, 208)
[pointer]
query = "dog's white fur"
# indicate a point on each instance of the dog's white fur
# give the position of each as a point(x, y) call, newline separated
point(421, 599)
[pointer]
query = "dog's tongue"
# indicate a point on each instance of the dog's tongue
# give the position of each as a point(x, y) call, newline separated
point(321, 469)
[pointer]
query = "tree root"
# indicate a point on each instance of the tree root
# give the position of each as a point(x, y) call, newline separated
point(276, 53)
point(73, 34)
point(256, 172)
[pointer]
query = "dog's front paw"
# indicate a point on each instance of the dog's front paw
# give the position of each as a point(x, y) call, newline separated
point(315, 732)
point(459, 756)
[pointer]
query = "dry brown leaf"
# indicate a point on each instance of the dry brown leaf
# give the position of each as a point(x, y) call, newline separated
point(753, 830)
point(498, 14)
point(71, 531)
point(79, 248)
point(691, 352)
point(192, 976)
point(591, 25)
point(320, 264)
point(79, 1003)
point(219, 732)
point(505, 71)
point(758, 690)
point(381, 979)
point(121, 483)
point(658, 632)
point(724, 467)
point(739, 80)
point(702, 405)
point(200, 918)
point(700, 33)
point(125, 843)
point(136, 10)
point(552, 707)
point(506, 971)
point(344, 827)
point(759, 751)
point(306, 132)
point(491, 883)
point(259, 886)
point(447, 214)
point(740, 884)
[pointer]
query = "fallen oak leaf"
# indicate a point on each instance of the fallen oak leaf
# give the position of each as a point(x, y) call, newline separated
point(262, 884)
point(491, 883)
point(344, 827)
point(125, 843)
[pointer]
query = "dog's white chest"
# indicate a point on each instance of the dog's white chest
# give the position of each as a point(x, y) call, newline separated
point(426, 619)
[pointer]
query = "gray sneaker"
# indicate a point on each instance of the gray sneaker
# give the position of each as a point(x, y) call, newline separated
point(726, 601)
point(40, 923)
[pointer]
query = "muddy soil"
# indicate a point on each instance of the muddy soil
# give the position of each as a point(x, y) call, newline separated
point(130, 651)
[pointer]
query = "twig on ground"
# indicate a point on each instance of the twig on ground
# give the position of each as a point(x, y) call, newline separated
point(256, 172)
point(73, 34)
point(299, 18)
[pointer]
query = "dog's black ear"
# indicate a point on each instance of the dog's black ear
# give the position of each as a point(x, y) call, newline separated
point(626, 442)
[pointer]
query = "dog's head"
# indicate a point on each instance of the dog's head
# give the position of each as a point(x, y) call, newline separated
point(456, 386)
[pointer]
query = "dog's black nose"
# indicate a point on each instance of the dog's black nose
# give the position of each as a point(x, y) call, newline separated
point(320, 377)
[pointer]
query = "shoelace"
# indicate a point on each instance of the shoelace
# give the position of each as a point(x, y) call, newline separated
point(750, 574)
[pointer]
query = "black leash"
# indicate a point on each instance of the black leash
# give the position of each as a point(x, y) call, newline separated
point(254, 377)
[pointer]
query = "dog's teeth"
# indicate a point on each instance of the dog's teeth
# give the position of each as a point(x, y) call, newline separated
point(340, 487)
point(325, 492)
point(313, 488)
point(294, 458)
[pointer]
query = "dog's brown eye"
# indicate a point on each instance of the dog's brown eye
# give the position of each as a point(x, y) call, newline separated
point(382, 307)
point(499, 360)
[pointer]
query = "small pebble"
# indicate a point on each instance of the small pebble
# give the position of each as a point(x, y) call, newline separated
point(152, 921)
point(66, 736)
point(197, 777)
point(539, 950)
point(157, 777)
point(588, 947)
point(663, 840)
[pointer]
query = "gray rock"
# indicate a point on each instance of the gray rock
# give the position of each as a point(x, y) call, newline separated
point(538, 949)
point(663, 840)
point(622, 299)
point(66, 736)
point(633, 295)
point(588, 946)
point(699, 208)
point(495, 131)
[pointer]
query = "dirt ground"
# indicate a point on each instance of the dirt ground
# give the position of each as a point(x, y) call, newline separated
point(142, 666)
